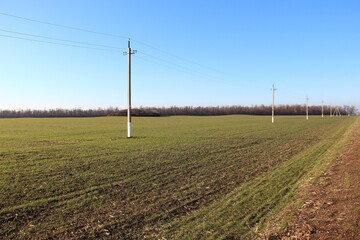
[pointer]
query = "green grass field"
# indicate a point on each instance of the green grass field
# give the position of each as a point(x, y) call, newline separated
point(180, 177)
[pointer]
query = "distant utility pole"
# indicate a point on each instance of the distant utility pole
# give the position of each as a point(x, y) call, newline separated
point(307, 108)
point(337, 112)
point(273, 89)
point(331, 111)
point(129, 53)
point(322, 108)
point(347, 109)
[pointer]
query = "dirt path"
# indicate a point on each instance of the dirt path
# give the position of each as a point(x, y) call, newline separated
point(332, 206)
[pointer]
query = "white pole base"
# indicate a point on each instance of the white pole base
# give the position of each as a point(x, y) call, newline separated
point(129, 132)
point(272, 119)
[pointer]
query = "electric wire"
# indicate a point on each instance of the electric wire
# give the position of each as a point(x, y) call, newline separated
point(180, 67)
point(63, 26)
point(188, 70)
point(159, 63)
point(170, 54)
point(174, 67)
point(91, 44)
point(105, 34)
point(64, 40)
point(185, 70)
point(170, 63)
point(63, 44)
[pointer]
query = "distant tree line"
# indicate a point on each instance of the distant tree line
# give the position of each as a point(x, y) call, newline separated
point(250, 110)
point(296, 109)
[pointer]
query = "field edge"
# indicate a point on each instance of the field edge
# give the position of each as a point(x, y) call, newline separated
point(268, 196)
point(280, 220)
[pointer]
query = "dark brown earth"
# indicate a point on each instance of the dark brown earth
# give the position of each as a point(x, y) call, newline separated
point(331, 209)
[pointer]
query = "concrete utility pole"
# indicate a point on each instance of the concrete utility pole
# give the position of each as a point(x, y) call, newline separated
point(322, 108)
point(330, 111)
point(273, 89)
point(307, 108)
point(337, 112)
point(129, 127)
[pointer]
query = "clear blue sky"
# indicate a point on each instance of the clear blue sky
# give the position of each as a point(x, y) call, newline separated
point(215, 53)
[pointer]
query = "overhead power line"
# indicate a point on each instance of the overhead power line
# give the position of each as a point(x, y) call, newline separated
point(64, 40)
point(187, 70)
point(183, 69)
point(63, 44)
point(162, 62)
point(104, 34)
point(170, 63)
point(110, 48)
point(64, 26)
point(170, 54)
point(177, 68)
point(178, 57)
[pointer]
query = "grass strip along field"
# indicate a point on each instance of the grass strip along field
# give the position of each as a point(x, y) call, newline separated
point(179, 178)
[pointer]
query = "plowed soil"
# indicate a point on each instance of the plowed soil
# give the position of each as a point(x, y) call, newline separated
point(332, 207)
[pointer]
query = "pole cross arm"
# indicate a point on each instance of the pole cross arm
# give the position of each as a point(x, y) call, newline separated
point(133, 52)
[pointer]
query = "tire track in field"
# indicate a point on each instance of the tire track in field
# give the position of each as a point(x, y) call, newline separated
point(63, 197)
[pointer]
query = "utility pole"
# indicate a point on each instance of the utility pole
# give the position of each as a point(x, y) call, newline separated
point(273, 89)
point(307, 108)
point(322, 108)
point(330, 111)
point(337, 112)
point(129, 53)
